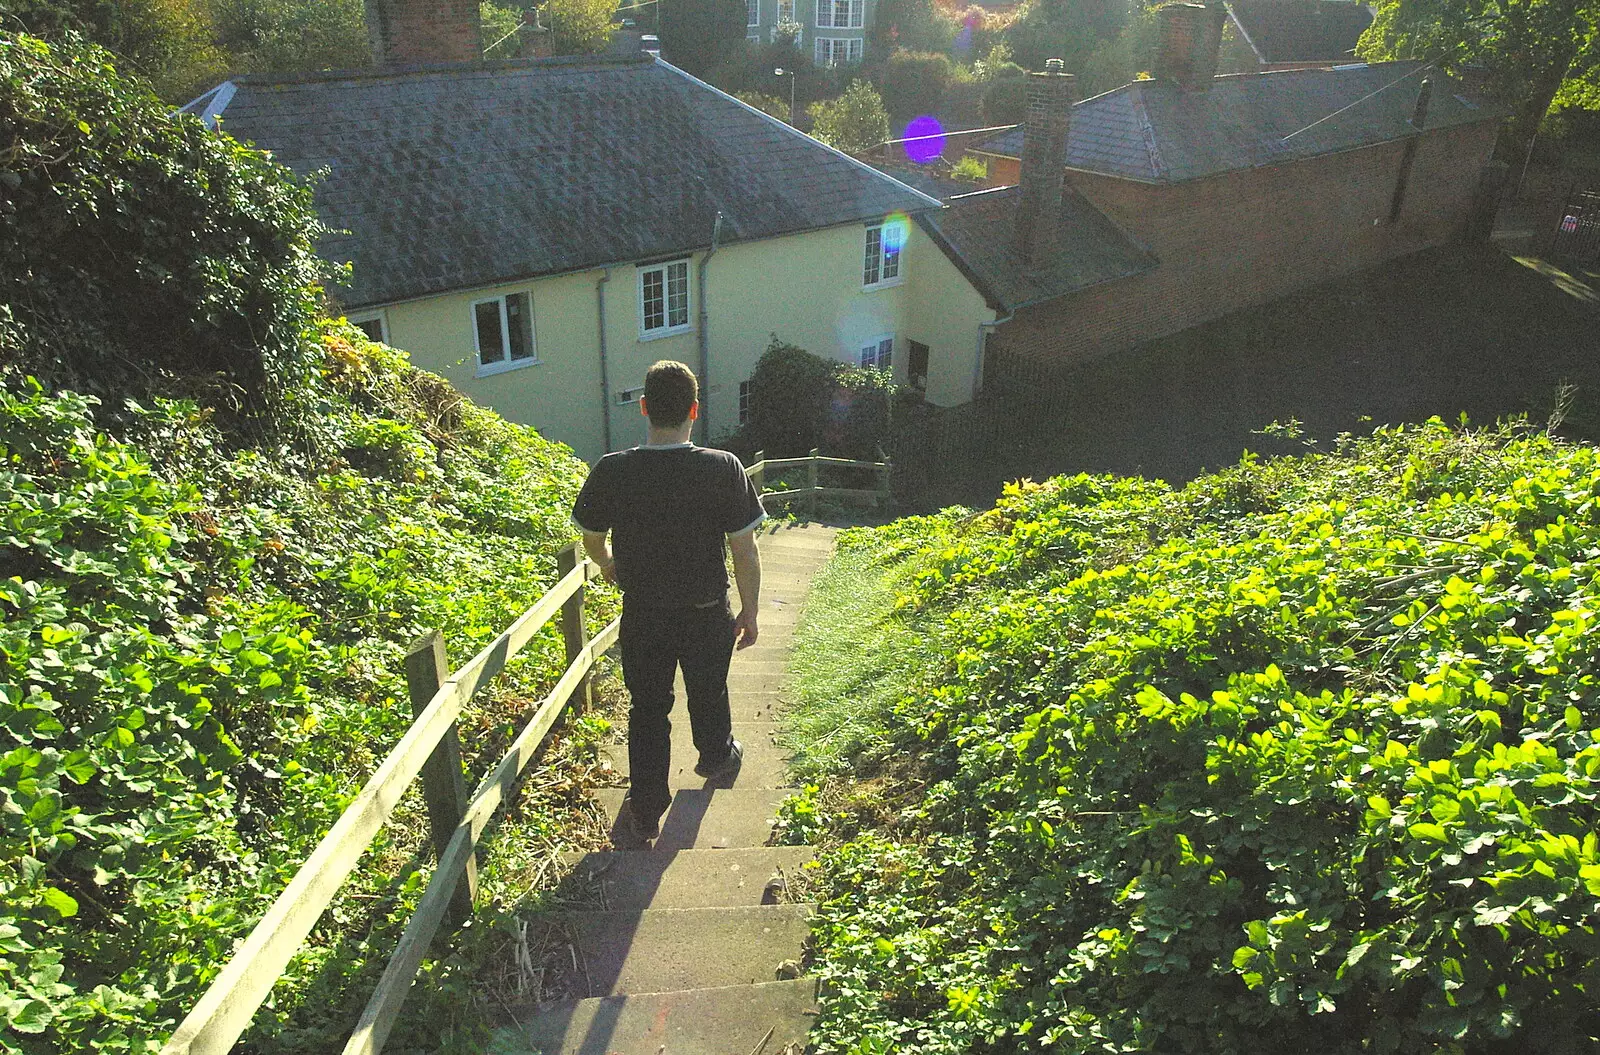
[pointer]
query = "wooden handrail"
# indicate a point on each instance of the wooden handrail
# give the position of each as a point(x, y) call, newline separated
point(384, 1006)
point(797, 463)
point(228, 1004)
point(761, 465)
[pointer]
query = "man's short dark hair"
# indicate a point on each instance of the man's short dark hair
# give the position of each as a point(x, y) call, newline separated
point(670, 389)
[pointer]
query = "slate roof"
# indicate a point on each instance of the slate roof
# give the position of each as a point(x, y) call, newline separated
point(978, 232)
point(458, 177)
point(1302, 30)
point(1152, 131)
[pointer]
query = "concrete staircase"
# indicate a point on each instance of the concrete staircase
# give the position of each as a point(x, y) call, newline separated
point(680, 947)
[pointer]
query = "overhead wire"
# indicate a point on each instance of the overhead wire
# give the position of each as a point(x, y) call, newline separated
point(1328, 117)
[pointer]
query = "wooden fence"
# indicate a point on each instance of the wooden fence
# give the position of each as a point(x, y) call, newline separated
point(813, 464)
point(430, 748)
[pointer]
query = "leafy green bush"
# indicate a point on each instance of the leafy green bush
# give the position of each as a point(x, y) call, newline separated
point(970, 169)
point(172, 43)
point(855, 122)
point(858, 412)
point(1301, 757)
point(140, 251)
point(914, 82)
point(1005, 98)
point(800, 401)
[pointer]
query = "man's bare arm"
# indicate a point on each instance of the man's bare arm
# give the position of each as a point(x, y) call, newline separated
point(747, 573)
point(594, 544)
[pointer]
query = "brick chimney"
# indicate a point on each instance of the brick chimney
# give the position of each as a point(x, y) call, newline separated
point(416, 32)
point(1190, 41)
point(1044, 159)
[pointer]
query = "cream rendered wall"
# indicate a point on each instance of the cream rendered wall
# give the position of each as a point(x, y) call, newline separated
point(559, 394)
point(944, 313)
point(806, 288)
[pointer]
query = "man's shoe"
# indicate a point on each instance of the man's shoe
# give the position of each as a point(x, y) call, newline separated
point(726, 768)
point(646, 828)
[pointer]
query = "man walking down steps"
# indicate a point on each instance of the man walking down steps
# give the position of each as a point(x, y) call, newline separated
point(667, 507)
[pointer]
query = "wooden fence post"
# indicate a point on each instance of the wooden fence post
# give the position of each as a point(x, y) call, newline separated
point(812, 484)
point(759, 471)
point(573, 631)
point(885, 492)
point(444, 785)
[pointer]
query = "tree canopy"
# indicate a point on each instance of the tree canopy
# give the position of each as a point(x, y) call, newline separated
point(854, 122)
point(698, 35)
point(580, 27)
point(1535, 51)
point(139, 252)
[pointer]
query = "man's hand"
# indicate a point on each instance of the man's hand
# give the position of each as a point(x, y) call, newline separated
point(744, 628)
point(594, 544)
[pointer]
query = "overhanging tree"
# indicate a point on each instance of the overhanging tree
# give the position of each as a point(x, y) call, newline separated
point(1534, 50)
point(699, 34)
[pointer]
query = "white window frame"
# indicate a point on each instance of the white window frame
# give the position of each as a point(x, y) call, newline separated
point(854, 17)
point(874, 350)
point(668, 330)
point(753, 13)
point(506, 362)
point(380, 317)
point(873, 257)
point(744, 402)
point(825, 51)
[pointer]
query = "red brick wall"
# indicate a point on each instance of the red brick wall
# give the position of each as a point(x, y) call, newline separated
point(1243, 238)
point(407, 32)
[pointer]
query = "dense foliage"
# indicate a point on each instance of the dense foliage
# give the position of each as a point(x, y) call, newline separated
point(914, 82)
point(800, 401)
point(283, 36)
point(202, 621)
point(202, 650)
point(139, 250)
point(169, 42)
point(579, 27)
point(698, 35)
point(855, 122)
point(1532, 52)
point(1302, 757)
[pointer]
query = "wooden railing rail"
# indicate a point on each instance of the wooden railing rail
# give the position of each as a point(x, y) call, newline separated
point(430, 748)
point(814, 462)
point(226, 1008)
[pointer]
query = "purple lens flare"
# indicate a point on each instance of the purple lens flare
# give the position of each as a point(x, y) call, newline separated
point(926, 139)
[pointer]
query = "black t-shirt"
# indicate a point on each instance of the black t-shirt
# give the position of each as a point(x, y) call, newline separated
point(668, 510)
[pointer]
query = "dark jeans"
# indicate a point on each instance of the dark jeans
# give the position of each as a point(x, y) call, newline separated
point(655, 641)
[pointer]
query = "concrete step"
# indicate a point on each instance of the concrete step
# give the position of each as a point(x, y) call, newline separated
point(765, 653)
point(765, 763)
point(634, 880)
point(660, 950)
point(700, 819)
point(731, 1020)
point(740, 684)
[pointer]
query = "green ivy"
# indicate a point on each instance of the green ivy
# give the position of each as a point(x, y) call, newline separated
point(202, 661)
point(1301, 757)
